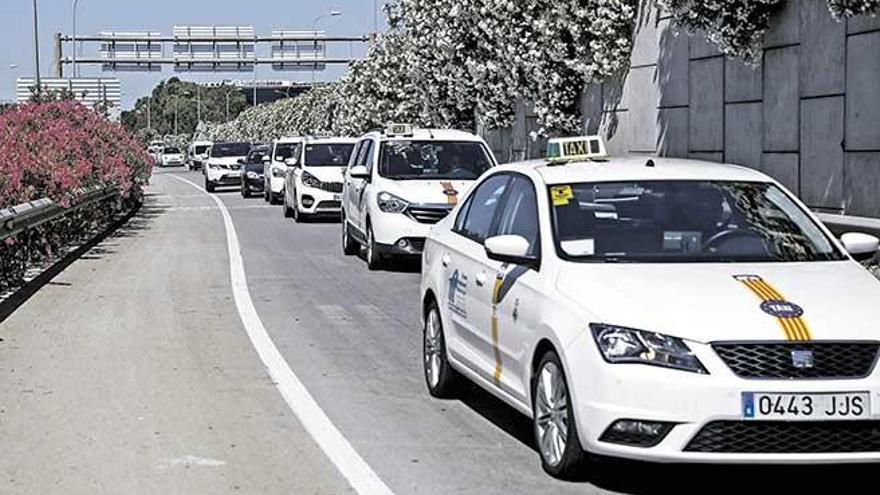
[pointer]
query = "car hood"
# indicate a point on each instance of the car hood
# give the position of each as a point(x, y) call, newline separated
point(712, 302)
point(429, 191)
point(326, 174)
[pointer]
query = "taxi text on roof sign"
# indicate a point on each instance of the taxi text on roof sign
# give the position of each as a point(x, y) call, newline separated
point(576, 148)
point(399, 130)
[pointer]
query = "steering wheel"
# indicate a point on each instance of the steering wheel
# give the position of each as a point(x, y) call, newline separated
point(728, 234)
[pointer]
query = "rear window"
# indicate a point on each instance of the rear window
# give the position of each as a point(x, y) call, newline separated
point(328, 155)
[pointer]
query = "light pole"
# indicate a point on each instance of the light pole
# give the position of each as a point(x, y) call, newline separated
point(37, 50)
point(149, 112)
point(375, 16)
point(228, 92)
point(199, 102)
point(332, 13)
point(75, 74)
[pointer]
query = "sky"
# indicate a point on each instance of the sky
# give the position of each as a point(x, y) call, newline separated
point(94, 16)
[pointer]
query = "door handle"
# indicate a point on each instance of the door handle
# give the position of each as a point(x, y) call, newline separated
point(445, 261)
point(481, 279)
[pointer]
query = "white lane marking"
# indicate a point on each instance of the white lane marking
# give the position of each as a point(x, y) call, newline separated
point(350, 464)
point(191, 460)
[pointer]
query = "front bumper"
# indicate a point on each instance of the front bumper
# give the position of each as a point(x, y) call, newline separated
point(276, 184)
point(253, 185)
point(223, 176)
point(313, 201)
point(389, 229)
point(605, 393)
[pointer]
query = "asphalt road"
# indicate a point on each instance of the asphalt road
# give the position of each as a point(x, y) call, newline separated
point(131, 373)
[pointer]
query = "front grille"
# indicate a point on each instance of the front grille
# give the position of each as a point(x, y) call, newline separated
point(334, 187)
point(831, 360)
point(429, 214)
point(774, 437)
point(328, 205)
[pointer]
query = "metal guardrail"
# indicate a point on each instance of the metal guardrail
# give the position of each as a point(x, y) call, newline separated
point(841, 224)
point(27, 216)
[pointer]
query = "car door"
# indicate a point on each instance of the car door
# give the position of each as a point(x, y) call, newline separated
point(517, 291)
point(346, 179)
point(470, 277)
point(358, 187)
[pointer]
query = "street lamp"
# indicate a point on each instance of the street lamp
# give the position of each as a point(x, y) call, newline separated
point(228, 92)
point(332, 13)
point(37, 50)
point(75, 2)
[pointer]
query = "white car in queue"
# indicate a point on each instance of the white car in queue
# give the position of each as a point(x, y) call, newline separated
point(171, 156)
point(400, 182)
point(285, 151)
point(313, 185)
point(223, 166)
point(656, 309)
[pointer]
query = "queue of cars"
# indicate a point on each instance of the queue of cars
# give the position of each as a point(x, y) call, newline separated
point(656, 309)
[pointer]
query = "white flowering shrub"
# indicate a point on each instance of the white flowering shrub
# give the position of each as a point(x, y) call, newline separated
point(738, 26)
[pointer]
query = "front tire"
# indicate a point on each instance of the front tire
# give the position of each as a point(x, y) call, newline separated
point(209, 186)
point(441, 378)
point(350, 246)
point(553, 420)
point(374, 258)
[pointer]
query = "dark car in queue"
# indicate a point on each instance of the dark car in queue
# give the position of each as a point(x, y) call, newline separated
point(252, 181)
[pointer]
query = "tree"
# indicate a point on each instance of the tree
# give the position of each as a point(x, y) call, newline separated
point(176, 99)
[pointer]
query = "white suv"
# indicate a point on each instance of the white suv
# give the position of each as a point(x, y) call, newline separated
point(400, 182)
point(284, 150)
point(313, 185)
point(223, 166)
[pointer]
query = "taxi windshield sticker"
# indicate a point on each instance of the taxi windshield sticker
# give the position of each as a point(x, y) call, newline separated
point(562, 195)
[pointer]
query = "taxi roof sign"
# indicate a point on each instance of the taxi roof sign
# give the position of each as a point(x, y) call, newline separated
point(399, 130)
point(576, 148)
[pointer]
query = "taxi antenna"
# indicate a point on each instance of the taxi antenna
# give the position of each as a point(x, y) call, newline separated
point(650, 163)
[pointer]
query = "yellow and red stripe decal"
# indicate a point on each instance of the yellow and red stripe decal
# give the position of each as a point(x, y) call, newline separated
point(450, 192)
point(789, 315)
point(496, 298)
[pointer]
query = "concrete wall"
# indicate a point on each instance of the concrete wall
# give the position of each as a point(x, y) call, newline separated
point(808, 114)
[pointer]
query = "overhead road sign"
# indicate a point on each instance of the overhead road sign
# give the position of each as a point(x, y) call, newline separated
point(214, 48)
point(132, 52)
point(299, 50)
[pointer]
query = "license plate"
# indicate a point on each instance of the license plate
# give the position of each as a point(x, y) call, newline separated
point(337, 197)
point(806, 407)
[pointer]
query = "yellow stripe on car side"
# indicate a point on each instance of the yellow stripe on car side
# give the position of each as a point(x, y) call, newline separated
point(496, 296)
point(795, 328)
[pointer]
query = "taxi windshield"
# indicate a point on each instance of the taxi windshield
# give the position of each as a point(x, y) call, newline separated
point(328, 155)
point(425, 160)
point(684, 221)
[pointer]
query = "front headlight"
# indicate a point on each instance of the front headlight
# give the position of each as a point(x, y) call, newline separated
point(277, 172)
point(626, 345)
point(253, 175)
point(390, 203)
point(213, 166)
point(310, 180)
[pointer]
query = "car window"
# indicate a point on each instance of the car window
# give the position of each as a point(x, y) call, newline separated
point(520, 213)
point(355, 155)
point(369, 160)
point(483, 205)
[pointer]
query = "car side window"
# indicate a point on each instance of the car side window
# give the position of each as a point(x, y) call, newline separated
point(368, 158)
point(483, 205)
point(520, 214)
point(356, 154)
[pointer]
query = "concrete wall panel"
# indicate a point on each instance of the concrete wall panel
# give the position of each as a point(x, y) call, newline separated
point(863, 24)
point(742, 82)
point(786, 26)
point(862, 184)
point(783, 167)
point(823, 50)
point(672, 68)
point(742, 134)
point(863, 92)
point(781, 99)
point(706, 105)
point(641, 122)
point(673, 132)
point(821, 152)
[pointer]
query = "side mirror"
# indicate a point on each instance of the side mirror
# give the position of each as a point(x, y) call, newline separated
point(241, 161)
point(512, 249)
point(358, 172)
point(860, 246)
point(291, 162)
point(267, 159)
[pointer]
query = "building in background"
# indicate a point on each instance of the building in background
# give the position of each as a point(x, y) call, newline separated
point(95, 93)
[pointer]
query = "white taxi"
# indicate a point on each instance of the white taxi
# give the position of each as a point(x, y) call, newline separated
point(656, 309)
point(400, 182)
point(284, 152)
point(313, 184)
point(223, 165)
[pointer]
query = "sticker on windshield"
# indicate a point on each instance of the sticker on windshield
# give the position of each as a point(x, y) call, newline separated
point(562, 195)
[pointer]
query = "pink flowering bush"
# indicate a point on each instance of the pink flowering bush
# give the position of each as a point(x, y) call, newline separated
point(55, 150)
point(59, 150)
